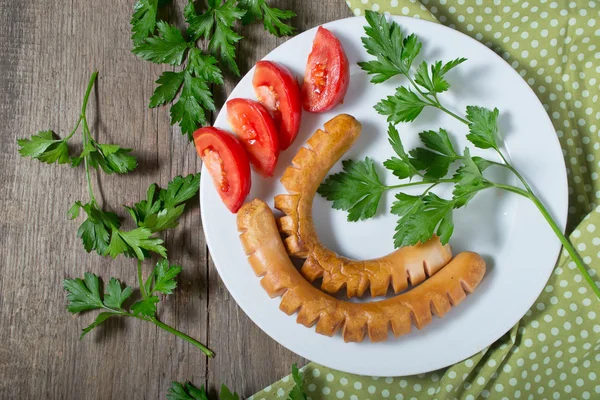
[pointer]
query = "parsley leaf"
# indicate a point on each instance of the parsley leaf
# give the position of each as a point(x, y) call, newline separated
point(400, 167)
point(433, 216)
point(272, 17)
point(357, 189)
point(168, 46)
point(46, 146)
point(168, 87)
point(406, 204)
point(180, 190)
point(177, 391)
point(95, 231)
point(434, 81)
point(438, 156)
point(199, 25)
point(162, 207)
point(297, 392)
point(145, 307)
point(204, 66)
point(223, 44)
point(143, 20)
point(226, 394)
point(411, 47)
point(195, 97)
point(110, 157)
point(470, 181)
point(189, 110)
point(163, 278)
point(403, 106)
point(83, 294)
point(483, 127)
point(135, 243)
point(385, 41)
point(217, 20)
point(100, 232)
point(116, 295)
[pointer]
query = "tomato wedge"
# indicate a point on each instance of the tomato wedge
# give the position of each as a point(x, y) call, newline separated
point(327, 73)
point(255, 128)
point(227, 163)
point(278, 90)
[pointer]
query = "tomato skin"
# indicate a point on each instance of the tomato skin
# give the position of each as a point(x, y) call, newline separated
point(327, 73)
point(278, 90)
point(256, 129)
point(218, 146)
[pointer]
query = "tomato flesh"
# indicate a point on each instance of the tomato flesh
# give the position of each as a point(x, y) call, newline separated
point(214, 164)
point(256, 129)
point(278, 90)
point(327, 73)
point(227, 164)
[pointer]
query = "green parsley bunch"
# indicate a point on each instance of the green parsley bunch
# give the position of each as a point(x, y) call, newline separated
point(101, 231)
point(162, 43)
point(358, 189)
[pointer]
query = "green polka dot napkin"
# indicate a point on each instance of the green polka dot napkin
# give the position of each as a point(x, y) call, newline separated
point(554, 351)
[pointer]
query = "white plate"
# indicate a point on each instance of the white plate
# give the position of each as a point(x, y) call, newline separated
point(518, 245)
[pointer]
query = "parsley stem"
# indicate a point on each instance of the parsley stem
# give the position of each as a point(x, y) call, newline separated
point(87, 136)
point(88, 90)
point(444, 109)
point(141, 280)
point(74, 129)
point(424, 95)
point(402, 185)
point(514, 171)
point(182, 335)
point(511, 188)
point(563, 239)
point(566, 244)
point(87, 173)
point(165, 327)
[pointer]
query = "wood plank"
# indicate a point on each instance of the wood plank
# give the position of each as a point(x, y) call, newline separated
point(51, 52)
point(248, 360)
point(48, 54)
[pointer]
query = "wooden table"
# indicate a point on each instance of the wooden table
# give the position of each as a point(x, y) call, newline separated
point(47, 52)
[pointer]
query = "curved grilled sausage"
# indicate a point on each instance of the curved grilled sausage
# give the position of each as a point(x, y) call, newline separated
point(269, 260)
point(401, 268)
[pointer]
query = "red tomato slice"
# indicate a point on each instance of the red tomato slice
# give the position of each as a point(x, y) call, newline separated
point(278, 90)
point(255, 128)
point(227, 163)
point(327, 73)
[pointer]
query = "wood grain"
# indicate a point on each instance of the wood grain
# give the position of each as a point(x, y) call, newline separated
point(47, 53)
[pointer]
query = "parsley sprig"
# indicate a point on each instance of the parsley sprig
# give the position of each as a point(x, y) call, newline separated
point(187, 391)
point(163, 43)
point(358, 189)
point(101, 231)
point(85, 295)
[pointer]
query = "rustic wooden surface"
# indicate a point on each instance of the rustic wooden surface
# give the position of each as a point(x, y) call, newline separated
point(47, 53)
